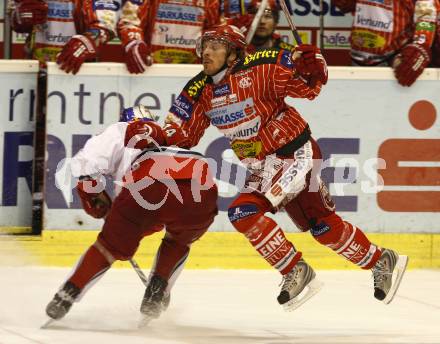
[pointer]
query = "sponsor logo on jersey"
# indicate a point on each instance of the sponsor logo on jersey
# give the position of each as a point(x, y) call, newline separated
point(221, 90)
point(180, 40)
point(286, 59)
point(247, 130)
point(57, 38)
point(109, 5)
point(244, 149)
point(180, 13)
point(242, 211)
point(182, 107)
point(245, 82)
point(227, 118)
point(220, 101)
point(261, 55)
point(176, 35)
point(60, 10)
point(196, 86)
point(367, 39)
point(373, 18)
point(231, 113)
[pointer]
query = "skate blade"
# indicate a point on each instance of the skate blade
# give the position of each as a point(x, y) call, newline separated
point(145, 320)
point(309, 291)
point(398, 272)
point(47, 323)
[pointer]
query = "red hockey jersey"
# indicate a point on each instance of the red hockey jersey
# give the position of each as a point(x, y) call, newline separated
point(247, 105)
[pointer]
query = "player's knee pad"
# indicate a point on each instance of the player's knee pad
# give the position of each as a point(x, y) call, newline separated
point(330, 229)
point(246, 211)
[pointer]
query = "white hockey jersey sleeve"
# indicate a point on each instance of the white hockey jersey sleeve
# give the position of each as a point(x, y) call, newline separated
point(104, 154)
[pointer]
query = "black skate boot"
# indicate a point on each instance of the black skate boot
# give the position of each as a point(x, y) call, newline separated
point(155, 300)
point(298, 286)
point(62, 301)
point(387, 275)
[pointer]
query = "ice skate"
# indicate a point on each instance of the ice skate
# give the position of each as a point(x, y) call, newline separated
point(298, 286)
point(62, 301)
point(155, 301)
point(387, 275)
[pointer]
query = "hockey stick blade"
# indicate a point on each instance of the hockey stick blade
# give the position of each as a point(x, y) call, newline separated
point(309, 291)
point(398, 272)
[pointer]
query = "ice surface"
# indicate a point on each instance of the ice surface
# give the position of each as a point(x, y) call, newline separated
point(220, 307)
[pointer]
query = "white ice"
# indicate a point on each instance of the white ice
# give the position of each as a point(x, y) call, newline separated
point(221, 307)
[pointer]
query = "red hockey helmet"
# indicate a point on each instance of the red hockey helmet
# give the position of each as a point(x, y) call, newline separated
point(227, 34)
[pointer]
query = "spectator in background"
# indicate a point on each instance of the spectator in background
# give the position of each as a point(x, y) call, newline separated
point(162, 31)
point(396, 33)
point(265, 35)
point(68, 32)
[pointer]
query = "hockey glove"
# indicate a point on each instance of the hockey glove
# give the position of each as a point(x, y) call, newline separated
point(95, 203)
point(141, 135)
point(28, 13)
point(410, 63)
point(78, 49)
point(136, 57)
point(311, 64)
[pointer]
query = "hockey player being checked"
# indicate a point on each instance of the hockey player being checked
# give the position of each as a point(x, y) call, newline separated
point(243, 96)
point(163, 186)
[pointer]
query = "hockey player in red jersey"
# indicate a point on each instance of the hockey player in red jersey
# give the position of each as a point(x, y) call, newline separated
point(69, 32)
point(161, 186)
point(243, 96)
point(396, 33)
point(164, 31)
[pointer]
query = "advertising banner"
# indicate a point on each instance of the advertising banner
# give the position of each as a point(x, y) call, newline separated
point(379, 141)
point(306, 13)
point(17, 101)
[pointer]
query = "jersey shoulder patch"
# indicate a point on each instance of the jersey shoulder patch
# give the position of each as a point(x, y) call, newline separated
point(264, 56)
point(286, 46)
point(195, 86)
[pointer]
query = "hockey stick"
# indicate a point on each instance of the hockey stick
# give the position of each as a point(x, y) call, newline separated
point(139, 272)
point(290, 21)
point(250, 34)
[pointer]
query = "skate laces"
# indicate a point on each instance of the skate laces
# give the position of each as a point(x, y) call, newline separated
point(289, 280)
point(380, 272)
point(68, 293)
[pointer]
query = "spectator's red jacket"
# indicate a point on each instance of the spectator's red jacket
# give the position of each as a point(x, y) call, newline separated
point(169, 28)
point(247, 105)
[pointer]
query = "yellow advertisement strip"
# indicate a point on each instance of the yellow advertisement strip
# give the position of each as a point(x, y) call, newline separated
point(215, 250)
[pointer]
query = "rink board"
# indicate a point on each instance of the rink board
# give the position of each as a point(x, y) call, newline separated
point(361, 120)
point(213, 251)
point(353, 124)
